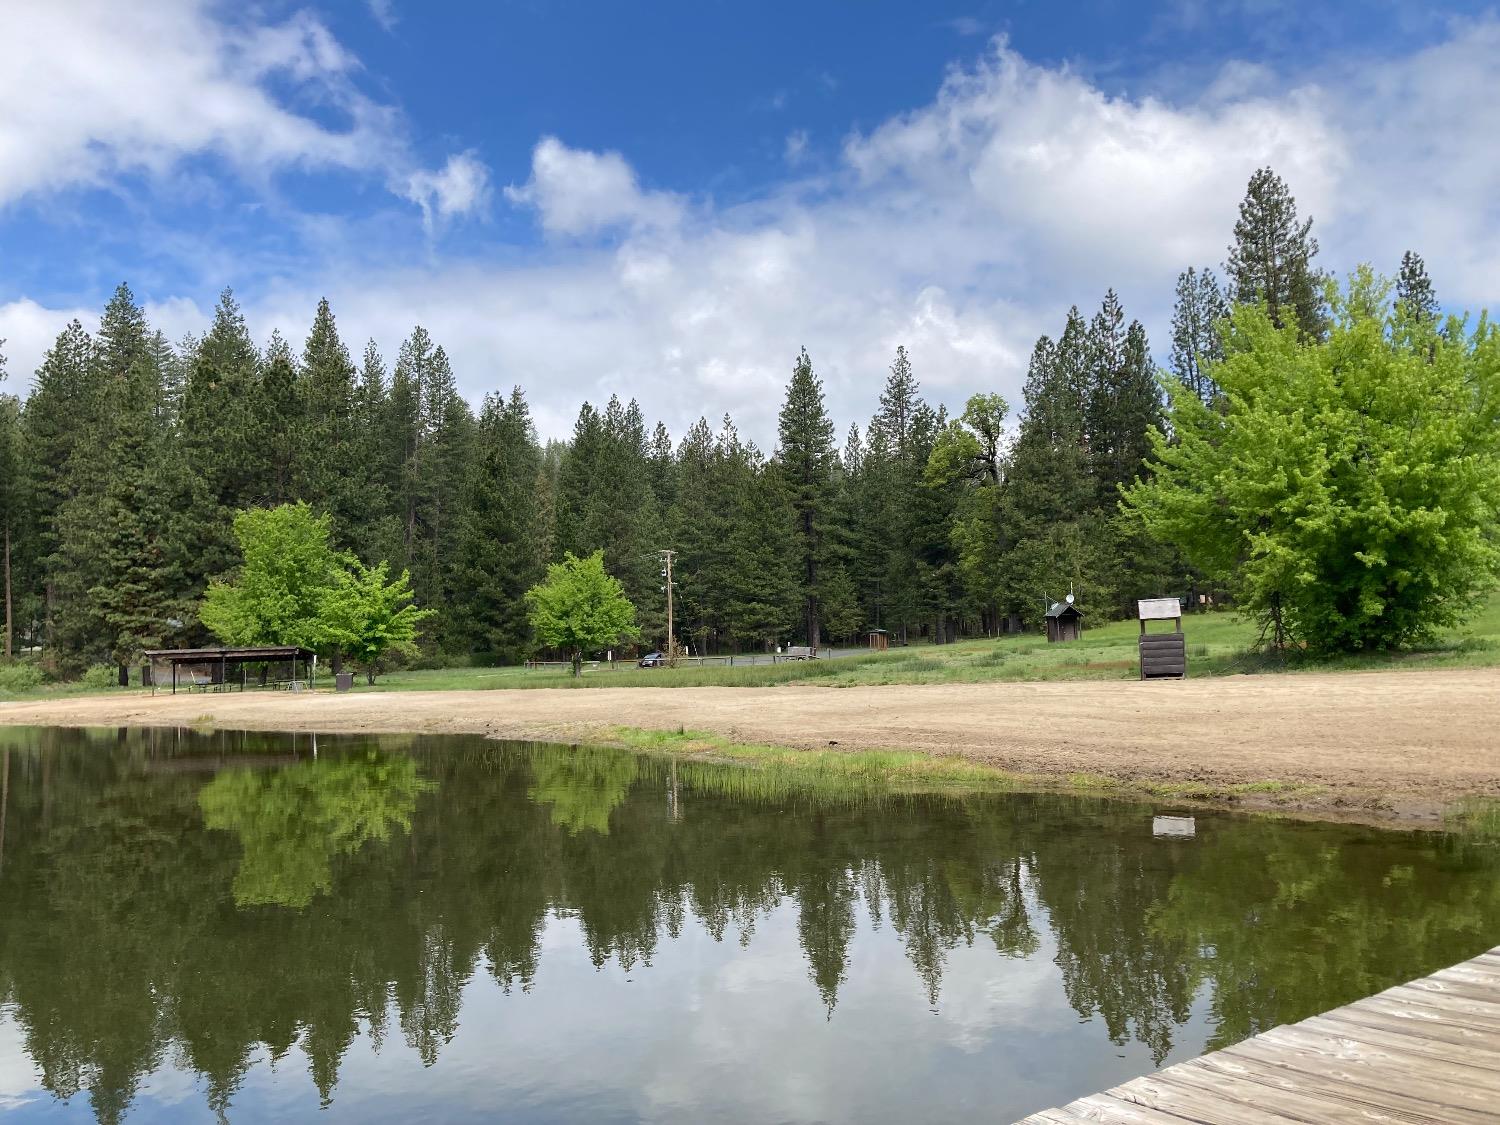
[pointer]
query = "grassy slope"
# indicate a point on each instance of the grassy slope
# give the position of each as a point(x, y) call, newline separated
point(1218, 644)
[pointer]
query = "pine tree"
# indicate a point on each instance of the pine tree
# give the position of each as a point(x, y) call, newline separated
point(116, 575)
point(331, 476)
point(1049, 475)
point(1414, 291)
point(893, 468)
point(805, 459)
point(75, 566)
point(1271, 257)
point(138, 597)
point(499, 554)
point(699, 526)
point(278, 421)
point(577, 474)
point(376, 533)
point(1196, 319)
point(1124, 402)
point(967, 458)
point(761, 583)
point(220, 444)
point(605, 502)
point(898, 404)
point(1048, 488)
point(624, 518)
point(12, 504)
point(57, 415)
point(445, 441)
point(412, 371)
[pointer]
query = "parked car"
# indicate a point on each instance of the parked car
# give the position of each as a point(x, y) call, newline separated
point(653, 660)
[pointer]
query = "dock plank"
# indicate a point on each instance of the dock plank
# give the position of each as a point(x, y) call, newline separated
point(1422, 1053)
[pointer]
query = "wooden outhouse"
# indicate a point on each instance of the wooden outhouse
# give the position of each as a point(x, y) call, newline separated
point(1064, 622)
point(880, 640)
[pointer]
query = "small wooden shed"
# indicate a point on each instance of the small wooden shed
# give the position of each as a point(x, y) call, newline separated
point(880, 640)
point(1064, 621)
point(1163, 655)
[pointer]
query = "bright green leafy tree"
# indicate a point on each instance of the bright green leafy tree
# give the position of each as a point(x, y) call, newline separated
point(1347, 488)
point(368, 615)
point(279, 594)
point(579, 608)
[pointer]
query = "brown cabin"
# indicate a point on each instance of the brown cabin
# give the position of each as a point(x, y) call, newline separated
point(1064, 622)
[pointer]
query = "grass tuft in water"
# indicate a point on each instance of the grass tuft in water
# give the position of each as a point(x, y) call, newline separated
point(1476, 817)
point(778, 770)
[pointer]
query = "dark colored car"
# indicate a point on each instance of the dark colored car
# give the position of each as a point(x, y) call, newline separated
point(653, 660)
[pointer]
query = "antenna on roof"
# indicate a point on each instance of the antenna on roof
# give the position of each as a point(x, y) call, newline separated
point(1070, 597)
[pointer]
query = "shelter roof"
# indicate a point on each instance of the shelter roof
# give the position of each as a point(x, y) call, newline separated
point(262, 652)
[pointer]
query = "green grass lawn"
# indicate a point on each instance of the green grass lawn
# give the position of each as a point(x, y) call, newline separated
point(1219, 644)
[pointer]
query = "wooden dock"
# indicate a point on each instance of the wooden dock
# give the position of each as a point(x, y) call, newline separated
point(1427, 1052)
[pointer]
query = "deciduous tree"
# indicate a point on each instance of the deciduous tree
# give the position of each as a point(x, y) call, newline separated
point(1348, 491)
point(580, 608)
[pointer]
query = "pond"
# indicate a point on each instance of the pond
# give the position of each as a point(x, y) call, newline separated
point(268, 927)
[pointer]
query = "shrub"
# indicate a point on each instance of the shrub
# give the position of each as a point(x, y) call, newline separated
point(99, 677)
point(20, 677)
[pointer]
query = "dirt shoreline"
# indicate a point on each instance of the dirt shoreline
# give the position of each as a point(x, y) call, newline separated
point(1390, 747)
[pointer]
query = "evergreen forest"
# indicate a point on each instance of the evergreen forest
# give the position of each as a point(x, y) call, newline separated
point(124, 463)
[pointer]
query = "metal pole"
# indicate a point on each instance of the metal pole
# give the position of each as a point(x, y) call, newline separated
point(671, 634)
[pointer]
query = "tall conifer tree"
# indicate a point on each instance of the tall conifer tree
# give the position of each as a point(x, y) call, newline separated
point(1271, 257)
point(1196, 319)
point(1414, 291)
point(12, 492)
point(332, 476)
point(280, 434)
point(220, 443)
point(805, 459)
point(499, 552)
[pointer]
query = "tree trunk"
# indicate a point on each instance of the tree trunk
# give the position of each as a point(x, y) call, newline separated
point(124, 675)
point(578, 662)
point(9, 627)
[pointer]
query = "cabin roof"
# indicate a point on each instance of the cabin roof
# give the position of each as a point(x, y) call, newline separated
point(1063, 609)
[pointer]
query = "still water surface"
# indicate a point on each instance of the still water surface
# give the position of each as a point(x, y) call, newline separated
point(246, 927)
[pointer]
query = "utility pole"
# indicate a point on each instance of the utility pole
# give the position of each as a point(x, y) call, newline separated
point(667, 556)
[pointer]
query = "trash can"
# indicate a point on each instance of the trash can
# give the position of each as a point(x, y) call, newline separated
point(343, 681)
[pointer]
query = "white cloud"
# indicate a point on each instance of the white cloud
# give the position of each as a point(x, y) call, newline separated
point(796, 146)
point(576, 192)
point(28, 330)
point(962, 229)
point(383, 12)
point(1076, 181)
point(461, 187)
point(97, 90)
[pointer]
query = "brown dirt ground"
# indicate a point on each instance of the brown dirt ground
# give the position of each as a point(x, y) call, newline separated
point(1396, 746)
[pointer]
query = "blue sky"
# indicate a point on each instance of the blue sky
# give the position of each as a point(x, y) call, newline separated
point(667, 200)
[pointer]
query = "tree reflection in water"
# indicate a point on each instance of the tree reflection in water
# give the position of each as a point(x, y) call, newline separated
point(205, 901)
